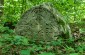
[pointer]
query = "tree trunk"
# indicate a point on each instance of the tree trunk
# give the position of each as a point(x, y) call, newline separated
point(1, 7)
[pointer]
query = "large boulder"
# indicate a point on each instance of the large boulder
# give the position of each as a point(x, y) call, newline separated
point(42, 22)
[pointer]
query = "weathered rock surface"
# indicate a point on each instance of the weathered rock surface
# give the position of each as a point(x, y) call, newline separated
point(42, 22)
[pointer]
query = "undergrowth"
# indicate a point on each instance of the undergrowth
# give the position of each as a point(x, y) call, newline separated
point(11, 44)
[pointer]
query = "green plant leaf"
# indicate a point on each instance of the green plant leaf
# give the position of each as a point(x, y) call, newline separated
point(45, 53)
point(25, 52)
point(74, 54)
point(25, 41)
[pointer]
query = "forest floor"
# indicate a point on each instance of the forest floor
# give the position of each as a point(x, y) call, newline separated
point(11, 44)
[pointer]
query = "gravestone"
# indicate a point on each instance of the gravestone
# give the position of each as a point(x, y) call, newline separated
point(42, 22)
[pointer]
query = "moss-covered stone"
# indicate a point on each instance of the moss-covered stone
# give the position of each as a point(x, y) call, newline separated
point(42, 22)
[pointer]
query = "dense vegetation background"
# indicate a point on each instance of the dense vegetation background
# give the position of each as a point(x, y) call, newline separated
point(72, 10)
